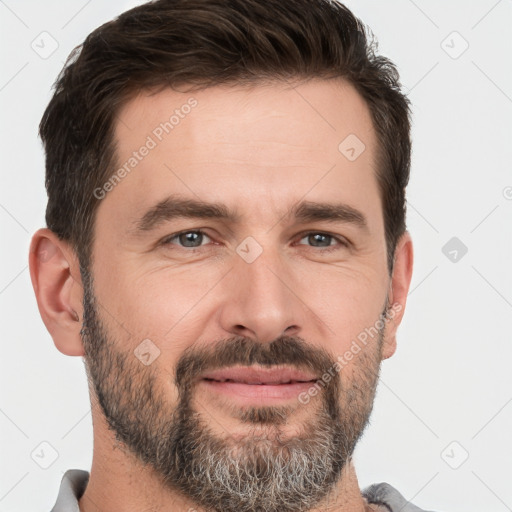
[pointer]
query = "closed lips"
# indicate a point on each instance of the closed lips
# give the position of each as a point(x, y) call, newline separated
point(269, 383)
point(259, 376)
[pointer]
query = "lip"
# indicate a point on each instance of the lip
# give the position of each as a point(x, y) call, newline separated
point(252, 375)
point(257, 394)
point(258, 386)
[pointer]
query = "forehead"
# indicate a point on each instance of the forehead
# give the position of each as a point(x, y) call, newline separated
point(255, 148)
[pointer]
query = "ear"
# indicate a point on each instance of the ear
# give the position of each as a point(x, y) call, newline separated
point(55, 275)
point(398, 290)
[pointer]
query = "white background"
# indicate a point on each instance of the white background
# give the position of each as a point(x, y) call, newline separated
point(451, 377)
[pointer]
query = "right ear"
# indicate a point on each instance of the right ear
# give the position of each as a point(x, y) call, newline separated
point(55, 275)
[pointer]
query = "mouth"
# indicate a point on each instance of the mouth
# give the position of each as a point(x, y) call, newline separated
point(258, 385)
point(252, 375)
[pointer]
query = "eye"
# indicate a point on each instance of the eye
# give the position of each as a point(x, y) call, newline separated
point(324, 240)
point(187, 239)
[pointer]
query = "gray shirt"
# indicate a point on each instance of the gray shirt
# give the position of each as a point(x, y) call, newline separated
point(75, 481)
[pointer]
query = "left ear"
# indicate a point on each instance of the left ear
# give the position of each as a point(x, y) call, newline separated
point(398, 290)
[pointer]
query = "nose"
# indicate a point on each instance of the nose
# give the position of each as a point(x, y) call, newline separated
point(262, 300)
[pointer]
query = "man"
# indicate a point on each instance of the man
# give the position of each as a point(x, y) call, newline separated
point(226, 248)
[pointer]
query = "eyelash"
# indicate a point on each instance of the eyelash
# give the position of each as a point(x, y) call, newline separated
point(341, 242)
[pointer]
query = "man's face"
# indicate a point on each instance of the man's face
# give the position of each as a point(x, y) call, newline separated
point(272, 288)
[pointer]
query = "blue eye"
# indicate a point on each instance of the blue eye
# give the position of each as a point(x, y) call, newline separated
point(324, 241)
point(187, 239)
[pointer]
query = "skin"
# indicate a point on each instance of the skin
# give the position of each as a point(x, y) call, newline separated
point(260, 151)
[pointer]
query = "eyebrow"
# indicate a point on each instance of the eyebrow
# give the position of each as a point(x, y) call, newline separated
point(309, 211)
point(174, 207)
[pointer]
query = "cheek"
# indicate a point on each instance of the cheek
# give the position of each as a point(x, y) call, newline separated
point(161, 305)
point(347, 300)
point(349, 305)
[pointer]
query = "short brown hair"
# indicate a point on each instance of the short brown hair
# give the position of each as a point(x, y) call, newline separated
point(204, 43)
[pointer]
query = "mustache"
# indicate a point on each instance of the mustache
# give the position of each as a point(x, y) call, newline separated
point(239, 350)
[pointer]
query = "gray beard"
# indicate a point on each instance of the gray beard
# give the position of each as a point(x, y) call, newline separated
point(262, 472)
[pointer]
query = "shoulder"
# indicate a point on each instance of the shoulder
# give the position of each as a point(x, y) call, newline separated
point(72, 487)
point(385, 494)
